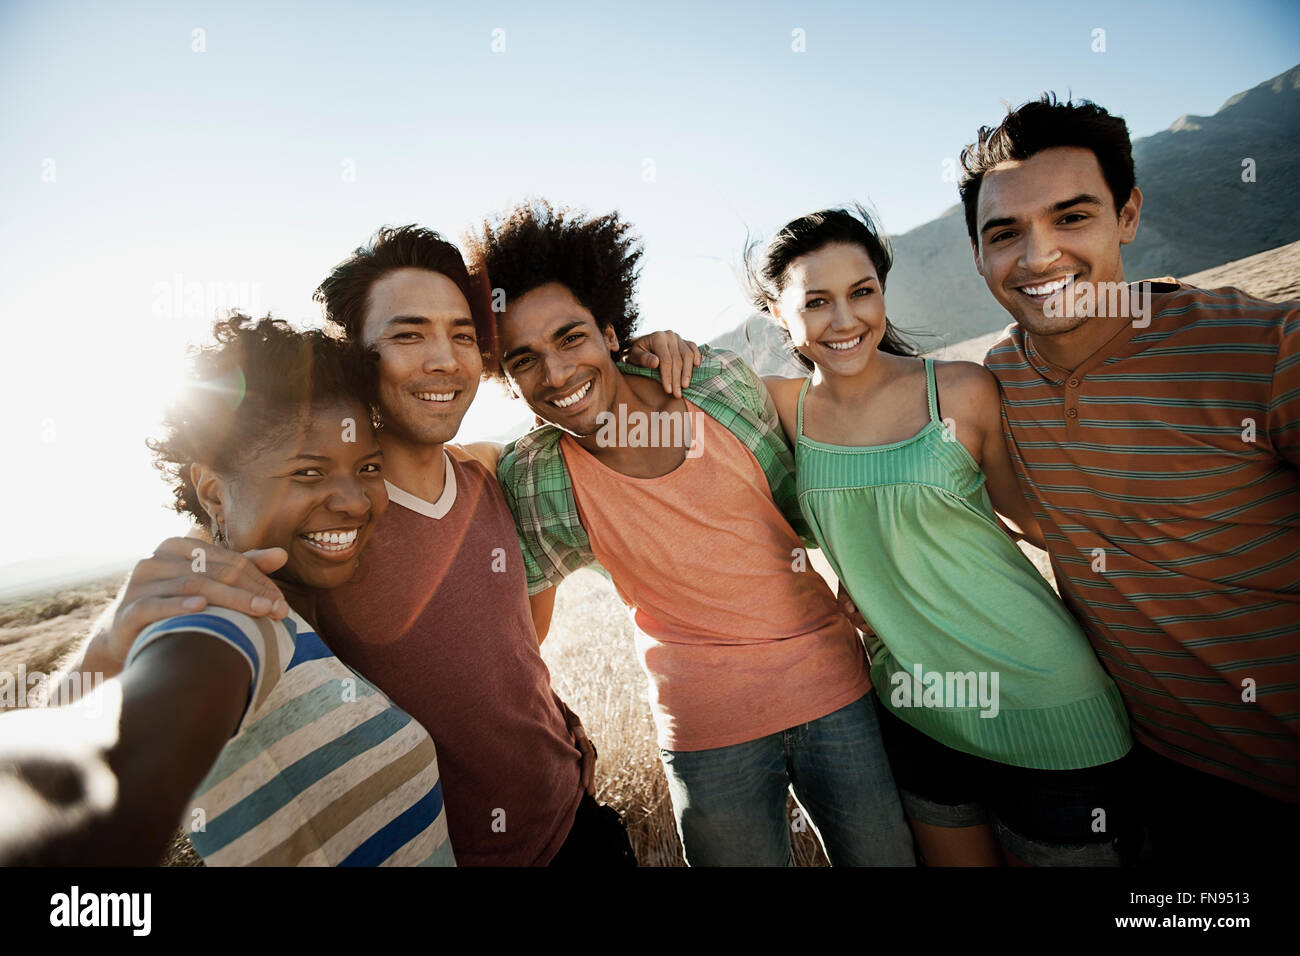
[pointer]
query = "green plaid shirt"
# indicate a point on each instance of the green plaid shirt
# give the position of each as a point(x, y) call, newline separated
point(539, 490)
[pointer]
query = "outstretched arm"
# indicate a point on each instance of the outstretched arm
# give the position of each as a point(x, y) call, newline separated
point(105, 780)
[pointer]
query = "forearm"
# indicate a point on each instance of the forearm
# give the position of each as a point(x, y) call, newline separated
point(114, 771)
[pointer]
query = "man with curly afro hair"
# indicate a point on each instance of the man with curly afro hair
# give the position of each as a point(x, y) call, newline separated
point(684, 492)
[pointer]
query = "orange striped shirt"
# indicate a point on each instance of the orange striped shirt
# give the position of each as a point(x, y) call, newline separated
point(1165, 473)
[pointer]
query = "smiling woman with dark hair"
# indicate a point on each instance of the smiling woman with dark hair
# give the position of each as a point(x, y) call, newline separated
point(283, 754)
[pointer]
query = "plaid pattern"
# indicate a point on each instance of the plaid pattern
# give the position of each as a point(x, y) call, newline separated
point(540, 493)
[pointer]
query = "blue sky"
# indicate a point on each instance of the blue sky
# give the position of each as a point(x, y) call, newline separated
point(133, 166)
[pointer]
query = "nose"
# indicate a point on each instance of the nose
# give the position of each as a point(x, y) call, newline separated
point(1039, 250)
point(347, 496)
point(556, 369)
point(440, 355)
point(842, 317)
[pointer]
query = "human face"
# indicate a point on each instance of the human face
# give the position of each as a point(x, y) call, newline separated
point(315, 490)
point(833, 307)
point(420, 325)
point(1047, 225)
point(558, 359)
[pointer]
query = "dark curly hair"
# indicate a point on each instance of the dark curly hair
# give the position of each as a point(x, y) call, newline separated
point(257, 382)
point(1044, 124)
point(345, 292)
point(596, 258)
point(765, 269)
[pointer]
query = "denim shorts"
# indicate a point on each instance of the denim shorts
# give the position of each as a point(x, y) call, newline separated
point(1044, 817)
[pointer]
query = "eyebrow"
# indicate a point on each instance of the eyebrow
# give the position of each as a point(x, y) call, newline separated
point(1083, 199)
point(305, 456)
point(422, 320)
point(559, 333)
point(826, 292)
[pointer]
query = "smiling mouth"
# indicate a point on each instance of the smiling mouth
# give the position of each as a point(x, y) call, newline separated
point(848, 345)
point(335, 543)
point(573, 398)
point(437, 398)
point(1045, 289)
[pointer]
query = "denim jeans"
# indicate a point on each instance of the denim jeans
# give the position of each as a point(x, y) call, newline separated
point(730, 802)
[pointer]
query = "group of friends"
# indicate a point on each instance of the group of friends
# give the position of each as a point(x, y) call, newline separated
point(346, 668)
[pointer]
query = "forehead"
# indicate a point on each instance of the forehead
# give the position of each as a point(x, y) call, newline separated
point(840, 263)
point(326, 425)
point(529, 319)
point(1023, 187)
point(412, 293)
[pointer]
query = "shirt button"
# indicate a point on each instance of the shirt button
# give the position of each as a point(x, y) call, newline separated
point(1071, 413)
point(1074, 383)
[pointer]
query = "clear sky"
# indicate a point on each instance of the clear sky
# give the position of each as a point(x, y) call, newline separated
point(149, 149)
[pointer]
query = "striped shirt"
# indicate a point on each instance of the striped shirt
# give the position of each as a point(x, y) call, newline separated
point(1164, 474)
point(323, 769)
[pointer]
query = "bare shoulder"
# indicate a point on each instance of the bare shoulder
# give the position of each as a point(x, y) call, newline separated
point(968, 391)
point(785, 396)
point(966, 381)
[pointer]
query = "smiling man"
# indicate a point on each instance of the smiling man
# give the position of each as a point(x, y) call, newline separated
point(757, 681)
point(1155, 429)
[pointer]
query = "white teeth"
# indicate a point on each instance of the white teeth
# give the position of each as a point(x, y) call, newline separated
point(575, 397)
point(1047, 289)
point(435, 396)
point(843, 346)
point(333, 540)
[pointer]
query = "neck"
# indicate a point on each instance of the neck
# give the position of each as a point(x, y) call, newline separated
point(1071, 349)
point(415, 467)
point(635, 395)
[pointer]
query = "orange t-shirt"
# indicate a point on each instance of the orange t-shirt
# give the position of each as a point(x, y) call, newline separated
point(736, 642)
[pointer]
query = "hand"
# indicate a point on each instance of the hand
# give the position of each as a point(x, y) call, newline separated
point(850, 610)
point(167, 584)
point(668, 351)
point(588, 751)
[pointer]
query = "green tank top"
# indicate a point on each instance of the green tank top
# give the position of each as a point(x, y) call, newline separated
point(975, 649)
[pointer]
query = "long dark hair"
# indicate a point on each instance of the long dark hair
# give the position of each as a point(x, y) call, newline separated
point(765, 269)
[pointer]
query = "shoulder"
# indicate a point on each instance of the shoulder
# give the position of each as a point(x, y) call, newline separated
point(785, 396)
point(486, 453)
point(965, 377)
point(1225, 302)
point(969, 391)
point(1009, 346)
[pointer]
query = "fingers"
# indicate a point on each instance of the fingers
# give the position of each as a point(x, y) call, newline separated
point(267, 560)
point(588, 751)
point(690, 357)
point(588, 780)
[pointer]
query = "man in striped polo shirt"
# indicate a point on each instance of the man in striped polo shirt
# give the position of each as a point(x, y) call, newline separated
point(1155, 429)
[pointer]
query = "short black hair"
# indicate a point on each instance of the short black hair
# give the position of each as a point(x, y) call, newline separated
point(765, 269)
point(595, 257)
point(1044, 124)
point(260, 379)
point(345, 292)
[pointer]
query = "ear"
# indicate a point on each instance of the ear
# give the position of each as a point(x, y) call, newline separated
point(975, 252)
point(210, 489)
point(611, 338)
point(774, 310)
point(1129, 214)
